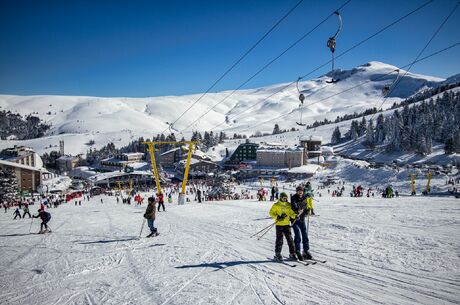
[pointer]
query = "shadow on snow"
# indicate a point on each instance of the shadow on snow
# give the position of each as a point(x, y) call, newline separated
point(223, 265)
point(107, 241)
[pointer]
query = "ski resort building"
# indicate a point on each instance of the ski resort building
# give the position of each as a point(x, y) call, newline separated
point(245, 152)
point(279, 158)
point(28, 177)
point(22, 155)
point(171, 157)
point(198, 168)
point(67, 163)
point(311, 146)
point(121, 161)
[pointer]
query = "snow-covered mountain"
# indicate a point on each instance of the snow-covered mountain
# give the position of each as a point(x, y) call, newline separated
point(79, 119)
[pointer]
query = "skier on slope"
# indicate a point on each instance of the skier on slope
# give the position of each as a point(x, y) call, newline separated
point(299, 206)
point(45, 217)
point(17, 213)
point(150, 215)
point(282, 212)
point(26, 211)
point(161, 201)
point(169, 198)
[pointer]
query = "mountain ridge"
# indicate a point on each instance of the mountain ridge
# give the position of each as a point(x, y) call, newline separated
point(101, 118)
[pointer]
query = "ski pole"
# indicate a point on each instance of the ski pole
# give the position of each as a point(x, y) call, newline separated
point(258, 238)
point(308, 222)
point(142, 228)
point(266, 230)
point(262, 230)
point(30, 228)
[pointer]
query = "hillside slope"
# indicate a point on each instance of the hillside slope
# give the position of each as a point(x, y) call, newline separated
point(78, 119)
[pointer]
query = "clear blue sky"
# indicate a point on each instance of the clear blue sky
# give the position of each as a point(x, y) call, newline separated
point(153, 48)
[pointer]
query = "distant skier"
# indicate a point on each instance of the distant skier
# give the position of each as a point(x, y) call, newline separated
point(198, 195)
point(17, 213)
point(282, 212)
point(26, 211)
point(170, 198)
point(45, 217)
point(150, 215)
point(161, 201)
point(299, 206)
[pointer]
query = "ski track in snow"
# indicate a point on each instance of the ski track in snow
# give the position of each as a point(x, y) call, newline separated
point(378, 251)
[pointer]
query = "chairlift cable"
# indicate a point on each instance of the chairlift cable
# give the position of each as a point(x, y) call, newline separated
point(342, 54)
point(239, 60)
point(357, 85)
point(269, 63)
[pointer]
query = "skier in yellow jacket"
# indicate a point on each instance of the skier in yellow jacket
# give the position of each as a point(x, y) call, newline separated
point(282, 213)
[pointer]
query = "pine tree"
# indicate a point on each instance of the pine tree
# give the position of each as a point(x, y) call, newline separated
point(370, 136)
point(380, 129)
point(362, 127)
point(8, 185)
point(336, 136)
point(276, 129)
point(222, 137)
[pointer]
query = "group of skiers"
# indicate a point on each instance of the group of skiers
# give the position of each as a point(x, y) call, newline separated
point(292, 214)
point(25, 210)
point(42, 214)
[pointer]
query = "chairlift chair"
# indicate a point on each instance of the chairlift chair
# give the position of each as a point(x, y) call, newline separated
point(389, 87)
point(331, 44)
point(301, 99)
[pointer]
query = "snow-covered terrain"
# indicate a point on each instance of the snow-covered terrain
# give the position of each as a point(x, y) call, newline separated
point(378, 251)
point(78, 120)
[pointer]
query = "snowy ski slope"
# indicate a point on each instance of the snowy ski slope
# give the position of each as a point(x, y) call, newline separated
point(379, 251)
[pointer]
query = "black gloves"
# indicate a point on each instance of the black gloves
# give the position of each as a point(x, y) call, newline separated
point(281, 217)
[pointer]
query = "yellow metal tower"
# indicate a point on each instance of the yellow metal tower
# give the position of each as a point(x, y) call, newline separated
point(151, 149)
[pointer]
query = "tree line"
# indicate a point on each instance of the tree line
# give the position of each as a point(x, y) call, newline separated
point(413, 128)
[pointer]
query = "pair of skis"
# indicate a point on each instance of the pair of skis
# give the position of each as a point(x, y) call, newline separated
point(153, 235)
point(306, 262)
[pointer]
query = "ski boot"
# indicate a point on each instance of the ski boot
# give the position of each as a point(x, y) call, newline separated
point(307, 255)
point(47, 231)
point(278, 257)
point(151, 234)
point(41, 232)
point(292, 257)
point(299, 256)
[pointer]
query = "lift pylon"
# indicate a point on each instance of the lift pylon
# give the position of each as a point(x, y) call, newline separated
point(151, 149)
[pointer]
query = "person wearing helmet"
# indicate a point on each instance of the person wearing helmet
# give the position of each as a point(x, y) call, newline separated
point(150, 215)
point(282, 213)
point(300, 207)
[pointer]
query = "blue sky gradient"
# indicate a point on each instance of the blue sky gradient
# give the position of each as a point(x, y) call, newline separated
point(153, 48)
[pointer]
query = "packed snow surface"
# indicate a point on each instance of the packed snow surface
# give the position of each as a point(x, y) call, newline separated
point(378, 251)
